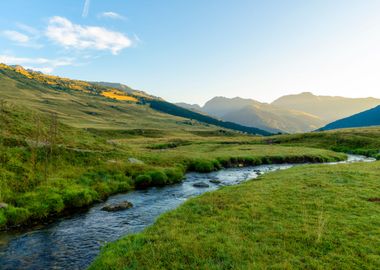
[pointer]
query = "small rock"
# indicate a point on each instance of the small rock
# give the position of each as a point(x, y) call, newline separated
point(117, 207)
point(135, 161)
point(215, 181)
point(3, 205)
point(201, 185)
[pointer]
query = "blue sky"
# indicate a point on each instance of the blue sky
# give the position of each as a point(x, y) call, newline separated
point(194, 50)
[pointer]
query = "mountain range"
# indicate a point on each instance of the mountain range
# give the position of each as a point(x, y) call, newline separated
point(364, 119)
point(75, 100)
point(103, 105)
point(290, 114)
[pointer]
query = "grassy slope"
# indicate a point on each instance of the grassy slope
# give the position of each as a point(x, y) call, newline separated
point(83, 103)
point(365, 141)
point(96, 137)
point(314, 217)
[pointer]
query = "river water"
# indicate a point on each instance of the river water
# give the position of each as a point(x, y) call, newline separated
point(73, 242)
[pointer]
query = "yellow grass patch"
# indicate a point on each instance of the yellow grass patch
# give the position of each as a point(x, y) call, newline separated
point(115, 94)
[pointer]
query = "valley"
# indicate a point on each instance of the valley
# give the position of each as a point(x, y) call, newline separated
point(189, 135)
point(67, 146)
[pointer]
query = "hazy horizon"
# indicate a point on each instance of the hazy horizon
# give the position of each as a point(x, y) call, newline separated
point(193, 51)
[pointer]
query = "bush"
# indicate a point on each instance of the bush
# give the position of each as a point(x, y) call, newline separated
point(3, 219)
point(15, 215)
point(143, 181)
point(77, 197)
point(104, 189)
point(202, 166)
point(159, 178)
point(53, 202)
point(174, 175)
point(41, 203)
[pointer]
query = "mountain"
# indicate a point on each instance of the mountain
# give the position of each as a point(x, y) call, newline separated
point(193, 107)
point(367, 118)
point(265, 116)
point(220, 106)
point(96, 105)
point(327, 108)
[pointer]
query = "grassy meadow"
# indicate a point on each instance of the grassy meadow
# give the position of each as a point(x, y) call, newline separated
point(48, 167)
point(307, 217)
point(66, 144)
point(362, 141)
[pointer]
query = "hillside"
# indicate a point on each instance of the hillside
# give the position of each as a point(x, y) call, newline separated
point(364, 119)
point(193, 107)
point(96, 105)
point(327, 108)
point(124, 88)
point(249, 112)
point(360, 141)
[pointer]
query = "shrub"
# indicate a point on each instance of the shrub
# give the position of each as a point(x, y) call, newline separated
point(174, 175)
point(3, 219)
point(202, 166)
point(53, 202)
point(16, 215)
point(104, 189)
point(41, 203)
point(143, 181)
point(124, 186)
point(159, 178)
point(76, 197)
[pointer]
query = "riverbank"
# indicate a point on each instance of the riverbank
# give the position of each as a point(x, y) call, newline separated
point(85, 235)
point(315, 217)
point(62, 197)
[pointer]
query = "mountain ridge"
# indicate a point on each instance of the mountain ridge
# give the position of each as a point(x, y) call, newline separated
point(293, 113)
point(263, 115)
point(367, 118)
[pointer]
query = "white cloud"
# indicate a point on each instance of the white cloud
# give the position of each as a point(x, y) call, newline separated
point(41, 69)
point(70, 35)
point(112, 15)
point(39, 64)
point(86, 8)
point(21, 39)
point(16, 36)
point(29, 29)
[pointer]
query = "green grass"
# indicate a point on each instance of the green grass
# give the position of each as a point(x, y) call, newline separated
point(309, 217)
point(42, 175)
point(363, 141)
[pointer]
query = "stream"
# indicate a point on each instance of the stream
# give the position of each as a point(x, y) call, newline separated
point(73, 242)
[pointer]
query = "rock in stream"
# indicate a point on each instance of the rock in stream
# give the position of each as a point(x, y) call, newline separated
point(117, 206)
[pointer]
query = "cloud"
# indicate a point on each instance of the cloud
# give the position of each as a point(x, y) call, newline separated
point(86, 8)
point(70, 35)
point(112, 15)
point(28, 29)
point(41, 69)
point(39, 64)
point(16, 36)
point(21, 39)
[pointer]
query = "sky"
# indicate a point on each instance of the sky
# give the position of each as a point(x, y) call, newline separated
point(190, 51)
